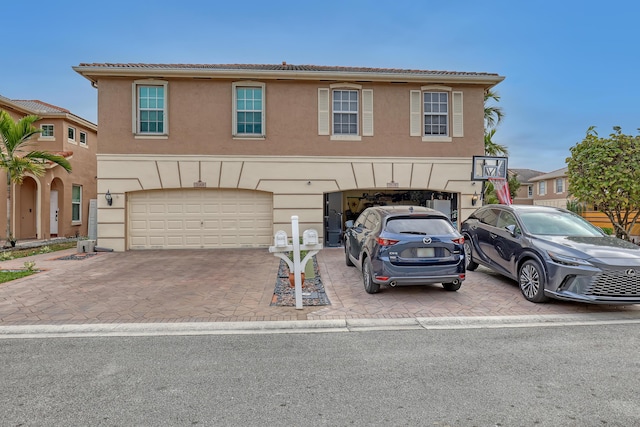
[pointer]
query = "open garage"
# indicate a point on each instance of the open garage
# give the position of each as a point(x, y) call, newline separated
point(199, 218)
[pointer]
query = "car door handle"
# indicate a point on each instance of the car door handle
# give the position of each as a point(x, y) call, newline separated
point(493, 236)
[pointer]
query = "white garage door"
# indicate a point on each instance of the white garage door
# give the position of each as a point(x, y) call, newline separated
point(200, 218)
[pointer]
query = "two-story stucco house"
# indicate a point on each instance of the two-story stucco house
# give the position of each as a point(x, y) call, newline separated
point(209, 156)
point(526, 192)
point(56, 204)
point(551, 189)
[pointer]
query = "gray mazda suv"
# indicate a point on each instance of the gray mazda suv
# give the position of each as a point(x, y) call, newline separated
point(405, 245)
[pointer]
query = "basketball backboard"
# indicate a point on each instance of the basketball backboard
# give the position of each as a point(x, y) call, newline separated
point(485, 167)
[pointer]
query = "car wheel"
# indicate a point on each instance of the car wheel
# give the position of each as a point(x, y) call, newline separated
point(532, 280)
point(452, 287)
point(469, 263)
point(347, 260)
point(367, 278)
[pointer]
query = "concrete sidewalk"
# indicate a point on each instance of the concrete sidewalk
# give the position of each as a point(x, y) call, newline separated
point(237, 285)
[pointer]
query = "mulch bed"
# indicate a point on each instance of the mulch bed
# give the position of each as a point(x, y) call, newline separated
point(313, 293)
point(76, 257)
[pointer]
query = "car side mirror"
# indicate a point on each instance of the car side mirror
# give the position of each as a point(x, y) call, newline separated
point(348, 224)
point(511, 229)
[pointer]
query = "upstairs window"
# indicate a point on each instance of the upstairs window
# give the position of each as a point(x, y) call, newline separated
point(436, 113)
point(71, 134)
point(150, 110)
point(249, 112)
point(46, 131)
point(345, 112)
point(83, 138)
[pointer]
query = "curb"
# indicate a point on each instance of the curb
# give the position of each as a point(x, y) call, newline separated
point(311, 326)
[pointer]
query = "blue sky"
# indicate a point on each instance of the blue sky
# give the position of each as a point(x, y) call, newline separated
point(568, 65)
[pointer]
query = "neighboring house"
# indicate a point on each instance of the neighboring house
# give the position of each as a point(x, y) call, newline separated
point(525, 193)
point(550, 189)
point(56, 204)
point(209, 156)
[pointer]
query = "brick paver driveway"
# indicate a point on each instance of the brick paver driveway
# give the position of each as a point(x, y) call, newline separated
point(236, 285)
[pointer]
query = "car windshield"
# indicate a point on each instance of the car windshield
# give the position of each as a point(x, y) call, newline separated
point(426, 226)
point(558, 224)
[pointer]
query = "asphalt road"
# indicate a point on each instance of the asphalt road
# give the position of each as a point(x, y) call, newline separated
point(544, 376)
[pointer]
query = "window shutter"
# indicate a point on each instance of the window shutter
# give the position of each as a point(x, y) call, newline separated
point(458, 124)
point(415, 110)
point(367, 112)
point(323, 111)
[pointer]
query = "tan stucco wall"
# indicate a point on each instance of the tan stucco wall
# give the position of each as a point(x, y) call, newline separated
point(199, 115)
point(298, 184)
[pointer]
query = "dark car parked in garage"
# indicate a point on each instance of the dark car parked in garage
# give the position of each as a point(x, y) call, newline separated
point(553, 252)
point(405, 245)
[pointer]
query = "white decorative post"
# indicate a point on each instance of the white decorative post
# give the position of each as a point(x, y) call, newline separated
point(295, 239)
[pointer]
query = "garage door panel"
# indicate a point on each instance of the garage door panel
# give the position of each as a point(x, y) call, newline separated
point(191, 208)
point(157, 208)
point(156, 241)
point(200, 218)
point(192, 225)
point(211, 208)
point(156, 225)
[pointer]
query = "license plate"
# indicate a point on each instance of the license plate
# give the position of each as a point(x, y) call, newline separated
point(425, 252)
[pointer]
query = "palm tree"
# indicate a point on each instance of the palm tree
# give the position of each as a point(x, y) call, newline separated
point(493, 148)
point(17, 160)
point(493, 115)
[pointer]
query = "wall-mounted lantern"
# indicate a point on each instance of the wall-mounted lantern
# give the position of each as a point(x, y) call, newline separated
point(108, 198)
point(474, 198)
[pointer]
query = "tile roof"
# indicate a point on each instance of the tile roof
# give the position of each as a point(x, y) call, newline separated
point(44, 109)
point(559, 173)
point(39, 106)
point(282, 67)
point(524, 175)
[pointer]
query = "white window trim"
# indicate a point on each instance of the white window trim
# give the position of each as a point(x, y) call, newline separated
point(71, 140)
point(455, 126)
point(540, 184)
point(234, 115)
point(86, 136)
point(134, 110)
point(78, 221)
point(47, 138)
point(348, 86)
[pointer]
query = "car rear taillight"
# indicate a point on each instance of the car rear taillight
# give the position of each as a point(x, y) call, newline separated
point(386, 242)
point(459, 240)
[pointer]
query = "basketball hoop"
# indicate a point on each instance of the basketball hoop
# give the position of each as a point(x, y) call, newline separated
point(502, 189)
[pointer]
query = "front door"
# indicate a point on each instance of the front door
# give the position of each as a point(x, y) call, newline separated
point(26, 214)
point(53, 213)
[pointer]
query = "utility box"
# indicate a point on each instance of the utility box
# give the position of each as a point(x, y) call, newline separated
point(86, 246)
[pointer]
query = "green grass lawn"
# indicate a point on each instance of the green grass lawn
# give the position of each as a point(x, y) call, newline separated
point(7, 276)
